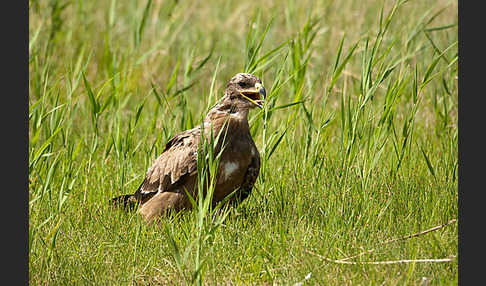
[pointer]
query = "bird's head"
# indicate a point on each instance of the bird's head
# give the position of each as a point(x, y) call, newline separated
point(244, 91)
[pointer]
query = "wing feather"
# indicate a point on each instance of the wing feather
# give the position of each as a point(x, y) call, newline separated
point(177, 160)
point(250, 176)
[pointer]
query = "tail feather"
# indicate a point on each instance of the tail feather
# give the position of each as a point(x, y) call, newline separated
point(127, 202)
point(130, 202)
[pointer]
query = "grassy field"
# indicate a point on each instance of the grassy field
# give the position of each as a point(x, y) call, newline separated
point(358, 140)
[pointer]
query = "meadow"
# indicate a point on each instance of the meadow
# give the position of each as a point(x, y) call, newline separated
point(358, 140)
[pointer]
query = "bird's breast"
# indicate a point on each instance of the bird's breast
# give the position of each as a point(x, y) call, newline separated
point(233, 165)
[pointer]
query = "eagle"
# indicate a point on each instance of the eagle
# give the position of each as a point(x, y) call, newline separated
point(174, 174)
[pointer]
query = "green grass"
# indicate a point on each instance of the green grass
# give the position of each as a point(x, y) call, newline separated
point(358, 140)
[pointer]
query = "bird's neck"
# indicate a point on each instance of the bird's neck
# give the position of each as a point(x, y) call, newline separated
point(241, 115)
point(233, 118)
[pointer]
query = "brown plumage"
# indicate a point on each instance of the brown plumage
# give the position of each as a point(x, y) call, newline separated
point(175, 170)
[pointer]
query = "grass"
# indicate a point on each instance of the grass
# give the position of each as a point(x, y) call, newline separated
point(358, 140)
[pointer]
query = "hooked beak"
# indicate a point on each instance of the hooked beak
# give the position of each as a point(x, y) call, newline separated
point(256, 95)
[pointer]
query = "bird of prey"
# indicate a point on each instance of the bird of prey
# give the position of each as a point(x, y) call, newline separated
point(173, 175)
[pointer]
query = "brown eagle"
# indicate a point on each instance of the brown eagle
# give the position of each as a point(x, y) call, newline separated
point(174, 173)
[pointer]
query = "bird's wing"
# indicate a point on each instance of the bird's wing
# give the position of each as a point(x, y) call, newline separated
point(250, 176)
point(178, 159)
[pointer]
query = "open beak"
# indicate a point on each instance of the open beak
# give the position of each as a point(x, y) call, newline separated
point(256, 95)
